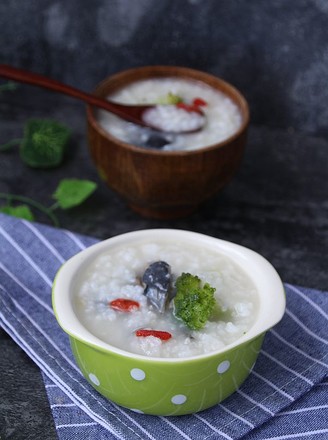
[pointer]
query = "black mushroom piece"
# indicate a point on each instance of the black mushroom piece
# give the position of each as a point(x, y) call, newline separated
point(157, 278)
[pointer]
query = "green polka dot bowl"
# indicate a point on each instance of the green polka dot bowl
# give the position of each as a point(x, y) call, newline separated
point(168, 386)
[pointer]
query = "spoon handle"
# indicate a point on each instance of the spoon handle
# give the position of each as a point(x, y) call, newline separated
point(131, 113)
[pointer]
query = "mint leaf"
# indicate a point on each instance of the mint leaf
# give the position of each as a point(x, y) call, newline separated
point(72, 192)
point(21, 211)
point(44, 143)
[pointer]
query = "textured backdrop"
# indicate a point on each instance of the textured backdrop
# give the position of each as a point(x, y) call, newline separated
point(275, 51)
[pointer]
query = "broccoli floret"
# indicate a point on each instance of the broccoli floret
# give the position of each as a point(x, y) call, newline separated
point(193, 303)
point(169, 99)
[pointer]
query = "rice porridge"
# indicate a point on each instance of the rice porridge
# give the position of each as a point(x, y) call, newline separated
point(222, 116)
point(115, 299)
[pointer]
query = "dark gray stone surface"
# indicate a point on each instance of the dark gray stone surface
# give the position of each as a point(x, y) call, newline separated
point(275, 52)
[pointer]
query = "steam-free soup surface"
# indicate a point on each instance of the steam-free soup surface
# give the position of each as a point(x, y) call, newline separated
point(223, 117)
point(117, 274)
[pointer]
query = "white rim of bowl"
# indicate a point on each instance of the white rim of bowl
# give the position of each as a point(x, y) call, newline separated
point(270, 289)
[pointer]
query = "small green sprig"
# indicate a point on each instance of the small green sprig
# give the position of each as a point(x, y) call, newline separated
point(20, 211)
point(68, 194)
point(43, 146)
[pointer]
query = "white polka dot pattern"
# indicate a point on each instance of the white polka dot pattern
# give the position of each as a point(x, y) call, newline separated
point(94, 379)
point(223, 367)
point(137, 374)
point(179, 399)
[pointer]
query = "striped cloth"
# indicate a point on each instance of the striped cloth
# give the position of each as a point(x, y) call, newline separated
point(284, 397)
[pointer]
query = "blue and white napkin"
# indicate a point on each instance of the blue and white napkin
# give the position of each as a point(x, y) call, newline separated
point(285, 396)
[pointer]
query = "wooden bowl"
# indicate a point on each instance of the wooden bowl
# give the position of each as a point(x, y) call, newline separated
point(165, 184)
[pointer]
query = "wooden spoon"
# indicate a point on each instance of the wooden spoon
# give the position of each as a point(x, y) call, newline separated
point(131, 113)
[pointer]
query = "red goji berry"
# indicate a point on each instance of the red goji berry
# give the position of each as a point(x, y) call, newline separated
point(164, 336)
point(195, 108)
point(199, 102)
point(124, 305)
point(189, 107)
point(184, 106)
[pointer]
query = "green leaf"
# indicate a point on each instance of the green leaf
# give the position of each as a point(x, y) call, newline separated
point(20, 211)
point(31, 202)
point(72, 192)
point(44, 143)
